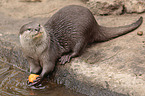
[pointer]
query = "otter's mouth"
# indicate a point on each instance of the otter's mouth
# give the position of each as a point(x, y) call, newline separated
point(37, 35)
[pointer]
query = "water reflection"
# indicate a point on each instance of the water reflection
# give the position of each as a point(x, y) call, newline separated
point(13, 83)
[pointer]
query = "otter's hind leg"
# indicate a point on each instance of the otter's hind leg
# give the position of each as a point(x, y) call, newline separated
point(75, 52)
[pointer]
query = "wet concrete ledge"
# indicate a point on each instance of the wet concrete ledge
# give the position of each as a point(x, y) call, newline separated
point(10, 52)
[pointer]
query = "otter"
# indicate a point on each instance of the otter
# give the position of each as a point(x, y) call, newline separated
point(64, 36)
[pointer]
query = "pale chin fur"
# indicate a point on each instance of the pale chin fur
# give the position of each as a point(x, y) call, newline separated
point(33, 47)
point(26, 38)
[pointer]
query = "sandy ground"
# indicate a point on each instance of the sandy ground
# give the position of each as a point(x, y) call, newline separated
point(116, 65)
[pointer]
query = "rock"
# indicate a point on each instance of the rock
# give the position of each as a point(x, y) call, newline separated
point(134, 6)
point(105, 7)
point(140, 33)
point(116, 7)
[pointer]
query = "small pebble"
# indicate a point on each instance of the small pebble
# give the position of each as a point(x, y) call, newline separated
point(140, 33)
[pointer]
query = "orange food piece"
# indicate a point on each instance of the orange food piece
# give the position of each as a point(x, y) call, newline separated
point(32, 77)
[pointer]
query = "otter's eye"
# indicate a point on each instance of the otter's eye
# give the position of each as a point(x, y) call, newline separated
point(29, 29)
point(36, 29)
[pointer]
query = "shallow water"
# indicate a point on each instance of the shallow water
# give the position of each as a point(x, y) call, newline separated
point(13, 83)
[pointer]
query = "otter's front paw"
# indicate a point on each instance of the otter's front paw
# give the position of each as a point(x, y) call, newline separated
point(34, 82)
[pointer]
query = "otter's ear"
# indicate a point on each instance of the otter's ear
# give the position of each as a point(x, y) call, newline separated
point(22, 30)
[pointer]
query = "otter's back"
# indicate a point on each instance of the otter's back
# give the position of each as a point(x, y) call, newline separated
point(71, 24)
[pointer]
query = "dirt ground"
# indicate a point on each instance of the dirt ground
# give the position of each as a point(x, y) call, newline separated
point(117, 66)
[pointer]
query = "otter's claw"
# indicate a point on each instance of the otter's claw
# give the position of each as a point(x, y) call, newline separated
point(35, 82)
point(64, 59)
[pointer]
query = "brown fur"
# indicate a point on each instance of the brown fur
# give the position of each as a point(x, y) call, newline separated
point(64, 36)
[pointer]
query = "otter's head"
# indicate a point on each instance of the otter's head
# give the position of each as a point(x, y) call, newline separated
point(31, 32)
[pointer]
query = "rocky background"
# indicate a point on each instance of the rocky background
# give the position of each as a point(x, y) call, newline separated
point(116, 7)
point(102, 7)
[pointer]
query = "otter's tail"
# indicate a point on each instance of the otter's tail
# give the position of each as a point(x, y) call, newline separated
point(107, 33)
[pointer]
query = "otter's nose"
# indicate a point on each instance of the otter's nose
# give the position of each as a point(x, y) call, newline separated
point(36, 30)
